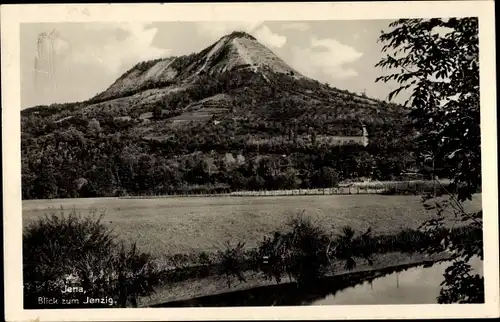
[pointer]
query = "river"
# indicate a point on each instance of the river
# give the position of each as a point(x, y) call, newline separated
point(404, 285)
point(417, 285)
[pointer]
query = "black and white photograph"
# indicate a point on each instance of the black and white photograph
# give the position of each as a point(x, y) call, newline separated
point(340, 158)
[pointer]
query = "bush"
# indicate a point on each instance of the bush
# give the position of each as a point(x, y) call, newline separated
point(299, 252)
point(424, 188)
point(157, 112)
point(83, 254)
point(391, 191)
point(231, 262)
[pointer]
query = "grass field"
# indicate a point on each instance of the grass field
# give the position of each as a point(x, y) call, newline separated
point(170, 226)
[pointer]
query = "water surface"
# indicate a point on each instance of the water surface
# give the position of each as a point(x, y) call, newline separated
point(406, 284)
point(417, 285)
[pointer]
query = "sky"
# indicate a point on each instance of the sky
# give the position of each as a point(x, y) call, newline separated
point(89, 57)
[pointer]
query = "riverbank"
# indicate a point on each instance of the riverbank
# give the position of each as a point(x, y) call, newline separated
point(217, 285)
point(181, 229)
point(351, 254)
point(301, 248)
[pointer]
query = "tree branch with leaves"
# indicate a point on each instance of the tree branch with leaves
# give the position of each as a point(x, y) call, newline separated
point(437, 61)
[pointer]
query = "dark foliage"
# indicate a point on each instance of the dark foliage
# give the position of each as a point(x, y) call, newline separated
point(304, 253)
point(278, 125)
point(231, 262)
point(298, 252)
point(72, 251)
point(442, 73)
point(73, 161)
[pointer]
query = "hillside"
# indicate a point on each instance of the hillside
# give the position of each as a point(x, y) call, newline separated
point(233, 116)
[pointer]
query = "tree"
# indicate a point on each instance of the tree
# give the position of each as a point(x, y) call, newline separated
point(314, 137)
point(228, 161)
point(94, 127)
point(325, 177)
point(437, 61)
point(157, 112)
point(134, 114)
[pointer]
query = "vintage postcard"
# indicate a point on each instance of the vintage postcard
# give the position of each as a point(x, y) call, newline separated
point(250, 161)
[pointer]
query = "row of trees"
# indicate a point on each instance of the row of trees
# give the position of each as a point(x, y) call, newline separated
point(73, 163)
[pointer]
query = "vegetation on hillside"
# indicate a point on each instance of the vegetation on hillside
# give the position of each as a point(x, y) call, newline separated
point(100, 160)
point(273, 131)
point(274, 137)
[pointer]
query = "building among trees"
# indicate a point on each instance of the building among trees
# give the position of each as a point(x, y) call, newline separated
point(344, 140)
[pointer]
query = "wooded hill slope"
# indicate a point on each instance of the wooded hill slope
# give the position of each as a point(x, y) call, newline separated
point(231, 117)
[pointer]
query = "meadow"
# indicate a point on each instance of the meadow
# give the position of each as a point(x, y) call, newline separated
point(180, 229)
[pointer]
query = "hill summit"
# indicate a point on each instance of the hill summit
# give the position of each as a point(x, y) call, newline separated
point(238, 50)
point(208, 119)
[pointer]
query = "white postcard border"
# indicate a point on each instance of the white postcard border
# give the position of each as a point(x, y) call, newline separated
point(13, 15)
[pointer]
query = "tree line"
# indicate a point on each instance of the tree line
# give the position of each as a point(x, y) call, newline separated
point(275, 125)
point(94, 159)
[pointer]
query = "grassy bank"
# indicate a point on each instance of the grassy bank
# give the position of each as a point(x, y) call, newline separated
point(351, 253)
point(302, 250)
point(179, 230)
